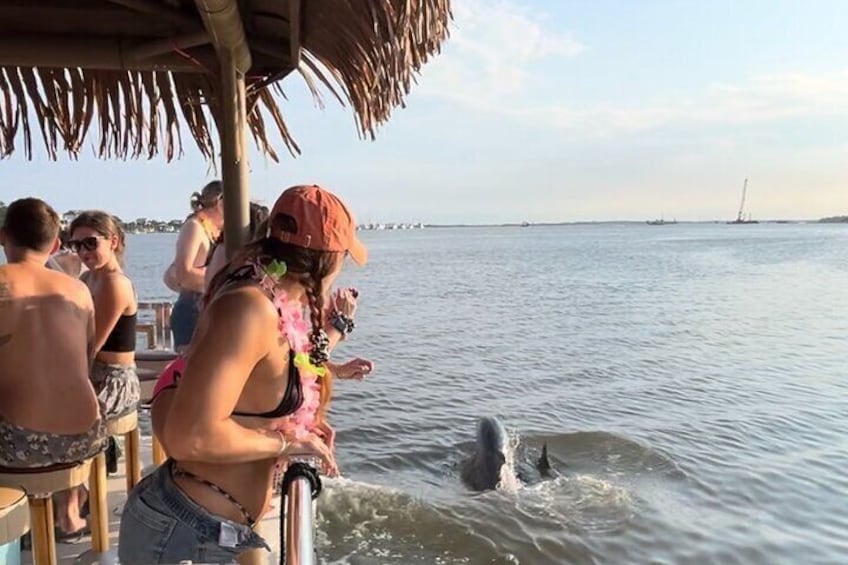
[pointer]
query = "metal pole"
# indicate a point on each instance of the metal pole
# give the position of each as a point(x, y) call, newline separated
point(234, 154)
point(299, 535)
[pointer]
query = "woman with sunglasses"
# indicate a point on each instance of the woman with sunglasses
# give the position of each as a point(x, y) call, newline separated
point(97, 238)
point(252, 392)
point(194, 244)
point(99, 241)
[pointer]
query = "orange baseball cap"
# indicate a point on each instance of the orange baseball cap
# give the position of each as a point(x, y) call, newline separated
point(323, 222)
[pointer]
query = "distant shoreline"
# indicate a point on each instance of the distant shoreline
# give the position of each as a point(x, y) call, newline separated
point(832, 220)
point(829, 220)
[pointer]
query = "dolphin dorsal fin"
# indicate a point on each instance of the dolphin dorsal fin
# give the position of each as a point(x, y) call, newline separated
point(543, 464)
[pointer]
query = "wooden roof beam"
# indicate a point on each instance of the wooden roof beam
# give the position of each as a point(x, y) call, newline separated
point(294, 35)
point(164, 45)
point(222, 20)
point(90, 52)
point(159, 10)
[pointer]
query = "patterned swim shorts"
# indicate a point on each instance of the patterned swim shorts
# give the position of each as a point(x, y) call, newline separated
point(117, 389)
point(23, 448)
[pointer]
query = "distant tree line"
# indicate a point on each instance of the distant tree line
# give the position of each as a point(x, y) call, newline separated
point(835, 220)
point(140, 225)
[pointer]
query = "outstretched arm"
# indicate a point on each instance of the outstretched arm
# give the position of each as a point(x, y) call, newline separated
point(356, 369)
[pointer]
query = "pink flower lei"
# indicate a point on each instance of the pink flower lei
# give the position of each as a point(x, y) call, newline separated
point(295, 328)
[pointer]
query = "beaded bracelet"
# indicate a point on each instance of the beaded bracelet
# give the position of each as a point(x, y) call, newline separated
point(343, 323)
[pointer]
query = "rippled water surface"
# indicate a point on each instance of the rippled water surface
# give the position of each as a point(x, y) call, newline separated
point(689, 381)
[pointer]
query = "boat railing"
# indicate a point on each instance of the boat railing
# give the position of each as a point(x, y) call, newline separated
point(154, 322)
point(301, 485)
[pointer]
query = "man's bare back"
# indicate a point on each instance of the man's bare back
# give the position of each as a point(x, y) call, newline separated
point(46, 327)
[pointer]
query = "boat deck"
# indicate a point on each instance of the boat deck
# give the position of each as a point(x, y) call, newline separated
point(80, 552)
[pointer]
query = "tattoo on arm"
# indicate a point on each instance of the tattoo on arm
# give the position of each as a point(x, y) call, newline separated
point(5, 293)
point(5, 300)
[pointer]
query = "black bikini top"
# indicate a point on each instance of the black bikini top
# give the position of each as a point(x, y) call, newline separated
point(122, 337)
point(293, 397)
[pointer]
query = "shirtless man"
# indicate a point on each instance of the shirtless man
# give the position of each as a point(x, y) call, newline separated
point(48, 409)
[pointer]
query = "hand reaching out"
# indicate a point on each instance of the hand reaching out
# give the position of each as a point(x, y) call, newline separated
point(344, 301)
point(356, 369)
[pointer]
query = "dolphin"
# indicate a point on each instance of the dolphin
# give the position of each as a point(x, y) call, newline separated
point(482, 471)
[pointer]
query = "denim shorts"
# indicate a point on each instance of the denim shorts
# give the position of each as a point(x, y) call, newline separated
point(160, 524)
point(184, 316)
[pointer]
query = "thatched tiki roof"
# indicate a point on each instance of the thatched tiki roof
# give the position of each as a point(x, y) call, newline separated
point(137, 70)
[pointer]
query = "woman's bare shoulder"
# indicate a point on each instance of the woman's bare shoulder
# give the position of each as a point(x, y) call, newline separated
point(243, 302)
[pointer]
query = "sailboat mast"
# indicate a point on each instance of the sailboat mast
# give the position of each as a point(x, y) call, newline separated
point(742, 204)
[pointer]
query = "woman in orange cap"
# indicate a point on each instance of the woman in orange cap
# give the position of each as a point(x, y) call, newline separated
point(253, 389)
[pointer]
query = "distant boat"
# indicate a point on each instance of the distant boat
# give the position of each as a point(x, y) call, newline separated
point(525, 224)
point(740, 215)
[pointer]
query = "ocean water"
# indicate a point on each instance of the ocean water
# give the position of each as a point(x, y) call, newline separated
point(689, 381)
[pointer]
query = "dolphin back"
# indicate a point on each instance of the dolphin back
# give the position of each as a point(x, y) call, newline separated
point(491, 435)
point(482, 470)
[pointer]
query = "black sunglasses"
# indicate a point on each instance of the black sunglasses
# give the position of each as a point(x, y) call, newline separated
point(88, 243)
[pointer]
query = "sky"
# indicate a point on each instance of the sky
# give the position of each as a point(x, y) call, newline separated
point(548, 111)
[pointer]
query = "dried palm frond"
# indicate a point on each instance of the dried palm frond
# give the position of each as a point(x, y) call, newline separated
point(365, 52)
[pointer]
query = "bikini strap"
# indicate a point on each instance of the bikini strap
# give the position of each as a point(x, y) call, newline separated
point(179, 472)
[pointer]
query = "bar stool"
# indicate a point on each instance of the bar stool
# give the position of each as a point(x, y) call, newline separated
point(150, 365)
point(158, 330)
point(147, 379)
point(126, 426)
point(14, 521)
point(39, 484)
point(154, 359)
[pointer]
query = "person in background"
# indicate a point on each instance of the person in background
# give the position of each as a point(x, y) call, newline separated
point(252, 391)
point(98, 240)
point(257, 229)
point(49, 411)
point(65, 260)
point(186, 273)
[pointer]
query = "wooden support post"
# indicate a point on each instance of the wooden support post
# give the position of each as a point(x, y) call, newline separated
point(234, 154)
point(253, 557)
point(132, 448)
point(236, 199)
point(43, 534)
point(159, 455)
point(99, 505)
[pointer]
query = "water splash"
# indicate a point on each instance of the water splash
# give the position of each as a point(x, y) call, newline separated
point(509, 481)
